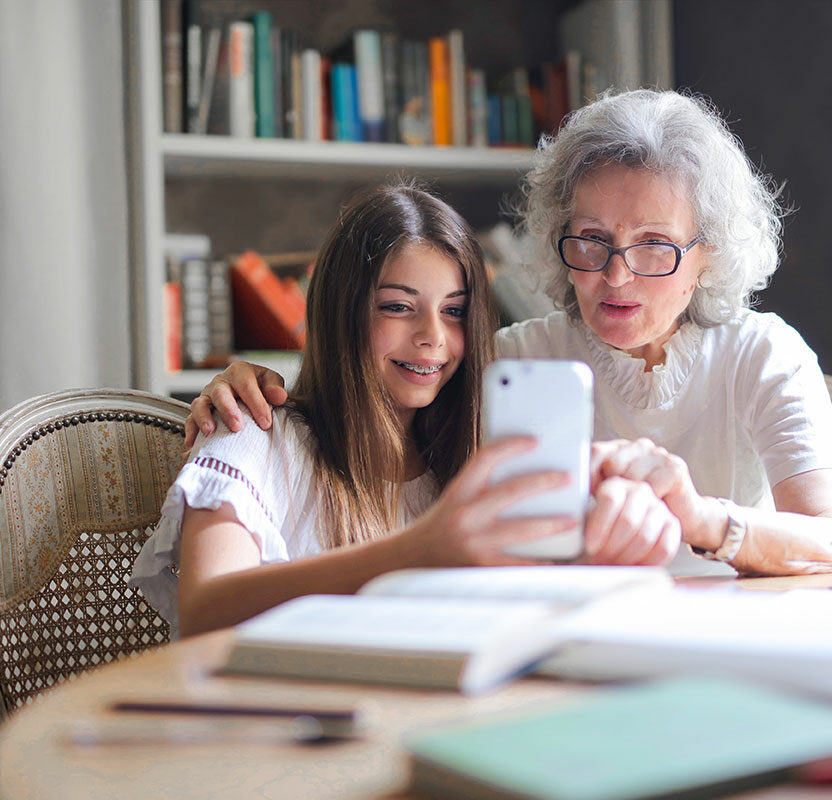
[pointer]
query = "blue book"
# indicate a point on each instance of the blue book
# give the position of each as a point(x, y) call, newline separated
point(495, 120)
point(343, 102)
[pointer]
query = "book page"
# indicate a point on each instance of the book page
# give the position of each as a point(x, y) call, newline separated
point(562, 586)
point(389, 623)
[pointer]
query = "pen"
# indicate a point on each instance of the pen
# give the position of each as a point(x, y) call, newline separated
point(220, 709)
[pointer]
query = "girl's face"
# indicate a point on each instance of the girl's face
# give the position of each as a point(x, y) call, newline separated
point(418, 326)
point(621, 206)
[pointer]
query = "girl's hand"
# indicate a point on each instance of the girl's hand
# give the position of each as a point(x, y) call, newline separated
point(629, 525)
point(255, 386)
point(702, 519)
point(464, 528)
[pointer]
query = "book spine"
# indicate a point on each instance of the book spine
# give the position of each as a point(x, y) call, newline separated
point(457, 78)
point(276, 40)
point(574, 79)
point(172, 318)
point(196, 334)
point(391, 76)
point(355, 113)
point(326, 99)
point(193, 83)
point(440, 91)
point(268, 312)
point(311, 81)
point(508, 104)
point(288, 46)
point(525, 121)
point(495, 120)
point(220, 327)
point(241, 79)
point(367, 46)
point(263, 75)
point(477, 109)
point(172, 46)
point(212, 51)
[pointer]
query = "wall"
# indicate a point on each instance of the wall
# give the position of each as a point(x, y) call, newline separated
point(766, 65)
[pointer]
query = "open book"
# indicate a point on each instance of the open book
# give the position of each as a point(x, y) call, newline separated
point(469, 629)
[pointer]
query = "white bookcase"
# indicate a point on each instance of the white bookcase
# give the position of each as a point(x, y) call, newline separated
point(155, 156)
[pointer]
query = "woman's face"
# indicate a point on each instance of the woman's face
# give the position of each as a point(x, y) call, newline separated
point(622, 206)
point(418, 326)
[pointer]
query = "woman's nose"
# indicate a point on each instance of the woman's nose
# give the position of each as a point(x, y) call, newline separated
point(617, 273)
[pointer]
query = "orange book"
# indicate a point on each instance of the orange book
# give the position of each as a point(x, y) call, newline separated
point(440, 90)
point(172, 316)
point(269, 312)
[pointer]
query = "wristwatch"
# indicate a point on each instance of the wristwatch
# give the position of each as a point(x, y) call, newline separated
point(734, 535)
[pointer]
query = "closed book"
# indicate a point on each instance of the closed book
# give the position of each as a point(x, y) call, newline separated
point(511, 132)
point(440, 91)
point(344, 122)
point(457, 78)
point(276, 39)
point(209, 75)
point(269, 312)
point(219, 112)
point(391, 78)
point(172, 49)
point(172, 321)
point(682, 738)
point(326, 99)
point(263, 75)
point(555, 96)
point(241, 79)
point(414, 118)
point(311, 81)
point(196, 331)
point(469, 629)
point(367, 49)
point(220, 327)
point(288, 50)
point(296, 74)
point(525, 120)
point(495, 119)
point(193, 69)
point(477, 109)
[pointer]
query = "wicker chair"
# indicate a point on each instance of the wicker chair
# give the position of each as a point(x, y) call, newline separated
point(83, 475)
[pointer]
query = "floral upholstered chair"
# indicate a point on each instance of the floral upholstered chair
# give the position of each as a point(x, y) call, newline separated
point(83, 475)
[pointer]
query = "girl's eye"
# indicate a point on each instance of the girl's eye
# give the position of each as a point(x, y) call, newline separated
point(395, 308)
point(457, 311)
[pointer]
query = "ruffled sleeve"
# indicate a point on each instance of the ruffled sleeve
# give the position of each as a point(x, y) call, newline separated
point(265, 476)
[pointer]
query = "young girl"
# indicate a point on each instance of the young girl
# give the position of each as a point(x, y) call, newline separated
point(382, 420)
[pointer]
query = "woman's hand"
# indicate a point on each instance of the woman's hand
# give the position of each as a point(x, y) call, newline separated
point(629, 525)
point(464, 526)
point(703, 519)
point(255, 386)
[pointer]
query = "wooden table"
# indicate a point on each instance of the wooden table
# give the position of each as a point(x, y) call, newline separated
point(35, 762)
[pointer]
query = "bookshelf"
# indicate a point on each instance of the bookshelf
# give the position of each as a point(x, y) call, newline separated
point(157, 158)
point(189, 183)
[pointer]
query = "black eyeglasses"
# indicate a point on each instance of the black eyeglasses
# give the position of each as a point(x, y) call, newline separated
point(651, 259)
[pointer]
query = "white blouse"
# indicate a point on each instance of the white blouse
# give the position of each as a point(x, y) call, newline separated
point(744, 403)
point(268, 478)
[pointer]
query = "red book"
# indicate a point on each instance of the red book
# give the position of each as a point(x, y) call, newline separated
point(269, 312)
point(172, 316)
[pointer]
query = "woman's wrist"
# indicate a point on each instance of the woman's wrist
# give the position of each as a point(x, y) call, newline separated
point(708, 534)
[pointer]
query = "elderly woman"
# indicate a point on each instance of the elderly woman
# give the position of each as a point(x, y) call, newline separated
point(654, 230)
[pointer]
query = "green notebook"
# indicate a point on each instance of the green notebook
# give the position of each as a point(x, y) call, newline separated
point(687, 737)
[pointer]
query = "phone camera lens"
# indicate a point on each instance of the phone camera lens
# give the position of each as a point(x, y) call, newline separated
point(504, 381)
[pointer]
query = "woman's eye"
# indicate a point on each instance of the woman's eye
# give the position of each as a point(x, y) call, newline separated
point(457, 311)
point(395, 308)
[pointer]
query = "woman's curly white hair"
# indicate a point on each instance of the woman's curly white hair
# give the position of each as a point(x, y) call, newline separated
point(680, 136)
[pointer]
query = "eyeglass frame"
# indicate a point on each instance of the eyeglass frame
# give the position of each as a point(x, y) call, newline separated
point(620, 251)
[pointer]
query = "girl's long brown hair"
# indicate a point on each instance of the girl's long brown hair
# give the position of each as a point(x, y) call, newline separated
point(339, 393)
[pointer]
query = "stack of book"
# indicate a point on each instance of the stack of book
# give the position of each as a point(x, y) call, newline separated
point(215, 307)
point(256, 78)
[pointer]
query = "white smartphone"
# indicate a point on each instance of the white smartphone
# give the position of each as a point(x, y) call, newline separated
point(552, 401)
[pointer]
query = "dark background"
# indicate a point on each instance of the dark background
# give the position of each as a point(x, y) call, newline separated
point(766, 65)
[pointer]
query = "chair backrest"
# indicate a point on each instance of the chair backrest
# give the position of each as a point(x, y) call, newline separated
point(83, 475)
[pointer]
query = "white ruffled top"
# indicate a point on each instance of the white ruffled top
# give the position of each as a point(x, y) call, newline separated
point(268, 478)
point(744, 403)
